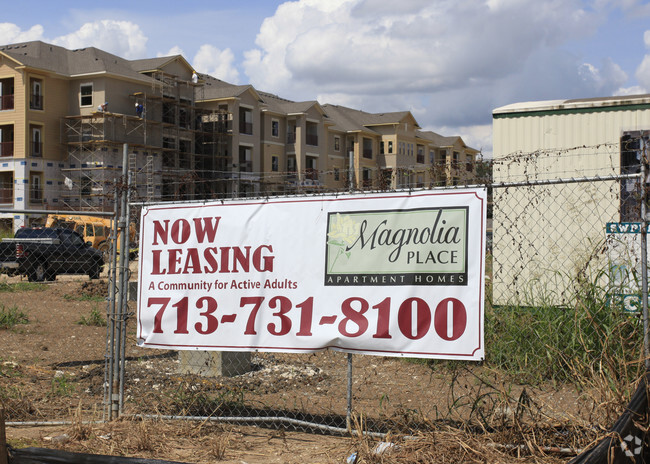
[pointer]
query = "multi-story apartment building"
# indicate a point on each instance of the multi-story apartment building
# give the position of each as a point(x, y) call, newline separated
point(65, 116)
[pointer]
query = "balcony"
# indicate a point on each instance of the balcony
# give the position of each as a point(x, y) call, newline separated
point(6, 149)
point(6, 102)
point(36, 102)
point(6, 193)
point(246, 128)
point(312, 139)
point(37, 149)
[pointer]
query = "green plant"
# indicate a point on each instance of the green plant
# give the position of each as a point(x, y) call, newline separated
point(61, 385)
point(95, 318)
point(560, 343)
point(21, 287)
point(10, 317)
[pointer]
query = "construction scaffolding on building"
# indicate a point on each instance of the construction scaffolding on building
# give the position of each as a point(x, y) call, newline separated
point(176, 150)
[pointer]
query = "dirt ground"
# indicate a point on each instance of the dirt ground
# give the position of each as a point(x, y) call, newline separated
point(52, 369)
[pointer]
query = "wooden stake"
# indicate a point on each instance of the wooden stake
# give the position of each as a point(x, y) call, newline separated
point(4, 456)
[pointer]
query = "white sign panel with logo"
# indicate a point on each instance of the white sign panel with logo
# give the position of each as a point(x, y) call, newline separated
point(392, 274)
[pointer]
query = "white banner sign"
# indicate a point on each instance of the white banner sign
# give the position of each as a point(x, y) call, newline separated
point(393, 274)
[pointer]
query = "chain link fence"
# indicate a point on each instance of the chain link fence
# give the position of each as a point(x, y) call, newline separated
point(563, 336)
point(53, 290)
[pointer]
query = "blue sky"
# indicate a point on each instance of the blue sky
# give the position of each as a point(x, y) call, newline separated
point(450, 62)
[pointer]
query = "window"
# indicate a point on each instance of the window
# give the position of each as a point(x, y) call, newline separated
point(36, 187)
point(337, 143)
point(381, 147)
point(36, 98)
point(275, 128)
point(311, 171)
point(86, 186)
point(291, 164)
point(420, 157)
point(367, 177)
point(386, 179)
point(36, 142)
point(86, 91)
point(469, 164)
point(311, 134)
point(71, 239)
point(6, 94)
point(367, 148)
point(337, 174)
point(245, 121)
point(275, 163)
point(390, 146)
point(633, 145)
point(245, 158)
point(7, 140)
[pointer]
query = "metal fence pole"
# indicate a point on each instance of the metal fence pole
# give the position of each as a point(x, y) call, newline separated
point(124, 269)
point(644, 255)
point(111, 311)
point(121, 286)
point(348, 415)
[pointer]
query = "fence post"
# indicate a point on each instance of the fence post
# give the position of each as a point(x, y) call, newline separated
point(125, 255)
point(112, 313)
point(348, 415)
point(644, 254)
point(4, 458)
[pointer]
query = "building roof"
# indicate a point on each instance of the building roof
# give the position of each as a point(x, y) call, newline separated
point(439, 140)
point(284, 106)
point(351, 119)
point(70, 63)
point(216, 89)
point(623, 102)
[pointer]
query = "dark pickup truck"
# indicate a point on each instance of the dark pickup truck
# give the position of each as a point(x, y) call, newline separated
point(41, 253)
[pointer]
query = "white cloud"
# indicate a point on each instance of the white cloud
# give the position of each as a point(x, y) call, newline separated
point(449, 62)
point(643, 71)
point(176, 50)
point(417, 46)
point(10, 33)
point(217, 63)
point(122, 38)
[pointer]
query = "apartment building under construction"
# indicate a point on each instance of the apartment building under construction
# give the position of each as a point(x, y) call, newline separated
point(66, 115)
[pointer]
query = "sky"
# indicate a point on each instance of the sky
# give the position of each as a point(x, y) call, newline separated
point(449, 62)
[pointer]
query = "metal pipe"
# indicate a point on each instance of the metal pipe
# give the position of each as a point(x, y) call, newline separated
point(57, 211)
point(266, 419)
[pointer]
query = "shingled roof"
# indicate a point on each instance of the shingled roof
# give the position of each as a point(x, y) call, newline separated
point(351, 120)
point(70, 63)
point(281, 105)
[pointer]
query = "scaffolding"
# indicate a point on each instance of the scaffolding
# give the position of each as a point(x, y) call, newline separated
point(176, 150)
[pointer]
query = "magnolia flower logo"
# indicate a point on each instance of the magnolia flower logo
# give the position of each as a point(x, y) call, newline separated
point(344, 231)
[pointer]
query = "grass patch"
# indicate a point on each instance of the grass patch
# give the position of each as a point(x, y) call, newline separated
point(21, 287)
point(61, 386)
point(95, 318)
point(10, 317)
point(536, 344)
